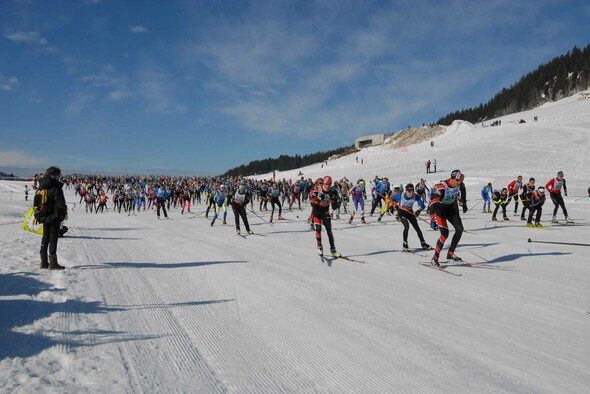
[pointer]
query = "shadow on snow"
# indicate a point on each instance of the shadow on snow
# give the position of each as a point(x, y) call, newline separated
point(128, 264)
point(23, 312)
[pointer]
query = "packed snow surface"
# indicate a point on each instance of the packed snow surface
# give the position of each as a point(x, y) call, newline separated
point(159, 306)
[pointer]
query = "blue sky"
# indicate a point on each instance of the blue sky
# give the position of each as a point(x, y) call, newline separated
point(204, 86)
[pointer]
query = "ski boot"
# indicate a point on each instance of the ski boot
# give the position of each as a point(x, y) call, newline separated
point(554, 220)
point(530, 225)
point(320, 251)
point(335, 253)
point(454, 257)
point(425, 246)
point(434, 262)
point(537, 224)
point(250, 232)
point(522, 218)
point(363, 220)
point(270, 220)
point(212, 222)
point(568, 220)
point(44, 262)
point(350, 220)
point(238, 231)
point(53, 264)
point(224, 221)
point(506, 218)
point(281, 217)
point(405, 248)
point(494, 219)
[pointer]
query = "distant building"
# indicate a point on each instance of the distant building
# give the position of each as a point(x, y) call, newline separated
point(370, 140)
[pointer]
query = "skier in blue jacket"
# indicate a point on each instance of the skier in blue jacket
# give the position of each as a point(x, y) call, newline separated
point(486, 195)
point(161, 196)
point(404, 203)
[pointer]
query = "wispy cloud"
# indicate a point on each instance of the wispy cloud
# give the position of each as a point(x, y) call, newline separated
point(78, 102)
point(138, 29)
point(26, 37)
point(115, 83)
point(12, 158)
point(157, 89)
point(8, 84)
point(351, 69)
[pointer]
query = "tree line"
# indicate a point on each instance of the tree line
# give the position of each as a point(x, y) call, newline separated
point(284, 162)
point(561, 77)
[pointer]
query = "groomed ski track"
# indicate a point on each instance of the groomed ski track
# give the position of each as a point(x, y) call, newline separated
point(266, 315)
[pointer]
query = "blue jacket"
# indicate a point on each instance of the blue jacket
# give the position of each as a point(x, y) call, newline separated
point(383, 188)
point(161, 194)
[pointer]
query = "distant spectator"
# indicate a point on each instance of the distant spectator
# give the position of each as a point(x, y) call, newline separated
point(434, 163)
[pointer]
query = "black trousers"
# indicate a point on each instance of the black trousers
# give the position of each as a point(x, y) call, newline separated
point(443, 214)
point(240, 211)
point(558, 202)
point(408, 218)
point(50, 237)
point(161, 204)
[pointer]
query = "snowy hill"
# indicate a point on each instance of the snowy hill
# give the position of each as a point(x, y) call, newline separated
point(558, 141)
point(176, 305)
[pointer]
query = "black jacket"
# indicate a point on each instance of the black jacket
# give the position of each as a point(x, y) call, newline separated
point(56, 201)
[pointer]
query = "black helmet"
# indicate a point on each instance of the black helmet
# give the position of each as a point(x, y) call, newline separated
point(456, 174)
point(409, 187)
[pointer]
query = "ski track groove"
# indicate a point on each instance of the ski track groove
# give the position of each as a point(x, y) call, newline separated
point(176, 344)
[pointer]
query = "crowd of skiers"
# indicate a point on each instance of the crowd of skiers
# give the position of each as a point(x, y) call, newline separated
point(532, 198)
point(328, 199)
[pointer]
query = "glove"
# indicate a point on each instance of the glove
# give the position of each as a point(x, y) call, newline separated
point(464, 208)
point(565, 193)
point(418, 212)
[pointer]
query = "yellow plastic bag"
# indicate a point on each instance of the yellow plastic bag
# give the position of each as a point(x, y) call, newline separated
point(30, 223)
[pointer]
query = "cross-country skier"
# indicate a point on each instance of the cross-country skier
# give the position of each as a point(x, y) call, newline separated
point(486, 195)
point(273, 195)
point(382, 188)
point(537, 199)
point(513, 190)
point(404, 203)
point(525, 197)
point(220, 198)
point(161, 195)
point(238, 203)
point(443, 208)
point(500, 199)
point(554, 187)
point(321, 197)
point(359, 194)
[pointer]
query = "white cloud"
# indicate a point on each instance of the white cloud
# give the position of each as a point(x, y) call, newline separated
point(80, 101)
point(158, 90)
point(138, 29)
point(8, 84)
point(18, 159)
point(26, 37)
point(109, 79)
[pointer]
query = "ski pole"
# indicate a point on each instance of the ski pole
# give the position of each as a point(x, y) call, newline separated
point(559, 243)
point(259, 217)
point(479, 202)
point(581, 198)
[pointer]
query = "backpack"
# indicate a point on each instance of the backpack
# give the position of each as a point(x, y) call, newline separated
point(41, 208)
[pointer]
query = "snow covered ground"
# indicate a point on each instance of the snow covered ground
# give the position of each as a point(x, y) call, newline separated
point(177, 306)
